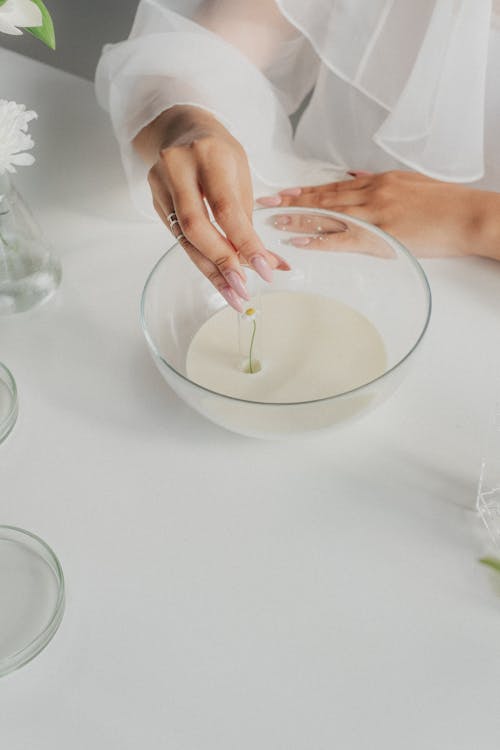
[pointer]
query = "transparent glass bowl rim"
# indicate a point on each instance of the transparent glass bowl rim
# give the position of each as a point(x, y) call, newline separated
point(392, 241)
point(7, 423)
point(32, 648)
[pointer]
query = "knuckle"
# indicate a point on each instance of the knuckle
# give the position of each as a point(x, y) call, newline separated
point(222, 261)
point(189, 223)
point(384, 194)
point(203, 143)
point(390, 178)
point(170, 160)
point(168, 153)
point(221, 208)
point(246, 246)
point(324, 200)
point(216, 279)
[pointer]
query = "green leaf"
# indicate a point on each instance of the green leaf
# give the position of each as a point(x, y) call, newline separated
point(491, 562)
point(45, 32)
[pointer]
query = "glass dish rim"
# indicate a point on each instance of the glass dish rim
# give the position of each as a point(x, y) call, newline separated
point(392, 241)
point(7, 423)
point(28, 652)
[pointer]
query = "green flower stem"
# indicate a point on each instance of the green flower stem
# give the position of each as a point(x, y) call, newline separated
point(250, 366)
point(491, 562)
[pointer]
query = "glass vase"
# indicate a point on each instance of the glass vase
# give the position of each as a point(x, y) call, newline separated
point(29, 273)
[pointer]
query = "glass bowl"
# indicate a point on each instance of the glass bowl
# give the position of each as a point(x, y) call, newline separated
point(32, 596)
point(364, 268)
point(8, 402)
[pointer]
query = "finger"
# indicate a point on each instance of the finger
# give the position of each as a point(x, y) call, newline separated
point(329, 200)
point(352, 240)
point(213, 274)
point(308, 223)
point(206, 267)
point(185, 200)
point(357, 183)
point(229, 213)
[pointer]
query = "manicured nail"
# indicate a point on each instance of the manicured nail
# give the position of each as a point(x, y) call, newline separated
point(301, 241)
point(291, 191)
point(281, 221)
point(283, 264)
point(269, 200)
point(232, 298)
point(359, 173)
point(262, 267)
point(236, 283)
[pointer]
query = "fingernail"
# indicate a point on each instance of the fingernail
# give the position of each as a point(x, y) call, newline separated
point(269, 200)
point(232, 298)
point(359, 173)
point(301, 241)
point(262, 267)
point(236, 283)
point(283, 264)
point(291, 191)
point(281, 221)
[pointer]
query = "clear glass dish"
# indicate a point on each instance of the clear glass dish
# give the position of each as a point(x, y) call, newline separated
point(376, 276)
point(31, 596)
point(8, 402)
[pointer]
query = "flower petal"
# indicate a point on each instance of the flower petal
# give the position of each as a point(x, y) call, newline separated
point(21, 13)
point(22, 160)
point(8, 28)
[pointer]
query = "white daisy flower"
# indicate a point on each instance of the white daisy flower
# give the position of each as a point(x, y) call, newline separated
point(249, 314)
point(17, 14)
point(14, 138)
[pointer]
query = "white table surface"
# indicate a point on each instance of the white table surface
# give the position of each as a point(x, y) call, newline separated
point(225, 593)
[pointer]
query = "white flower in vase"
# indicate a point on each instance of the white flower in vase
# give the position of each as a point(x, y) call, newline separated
point(29, 273)
point(14, 137)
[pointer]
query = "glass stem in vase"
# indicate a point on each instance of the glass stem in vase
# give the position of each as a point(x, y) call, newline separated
point(29, 273)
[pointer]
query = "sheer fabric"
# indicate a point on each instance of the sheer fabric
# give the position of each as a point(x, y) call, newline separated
point(397, 84)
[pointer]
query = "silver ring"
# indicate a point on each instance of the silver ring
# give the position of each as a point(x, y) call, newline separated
point(181, 237)
point(172, 219)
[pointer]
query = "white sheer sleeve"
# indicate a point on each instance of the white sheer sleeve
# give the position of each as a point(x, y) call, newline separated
point(424, 62)
point(240, 60)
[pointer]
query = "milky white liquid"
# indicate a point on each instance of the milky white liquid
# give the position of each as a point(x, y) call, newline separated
point(310, 347)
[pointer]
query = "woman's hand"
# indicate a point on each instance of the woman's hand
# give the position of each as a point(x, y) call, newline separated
point(430, 217)
point(195, 158)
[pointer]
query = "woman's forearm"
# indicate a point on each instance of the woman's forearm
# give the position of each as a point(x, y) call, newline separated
point(256, 28)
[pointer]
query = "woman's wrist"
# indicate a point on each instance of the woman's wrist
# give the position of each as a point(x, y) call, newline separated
point(175, 125)
point(483, 237)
